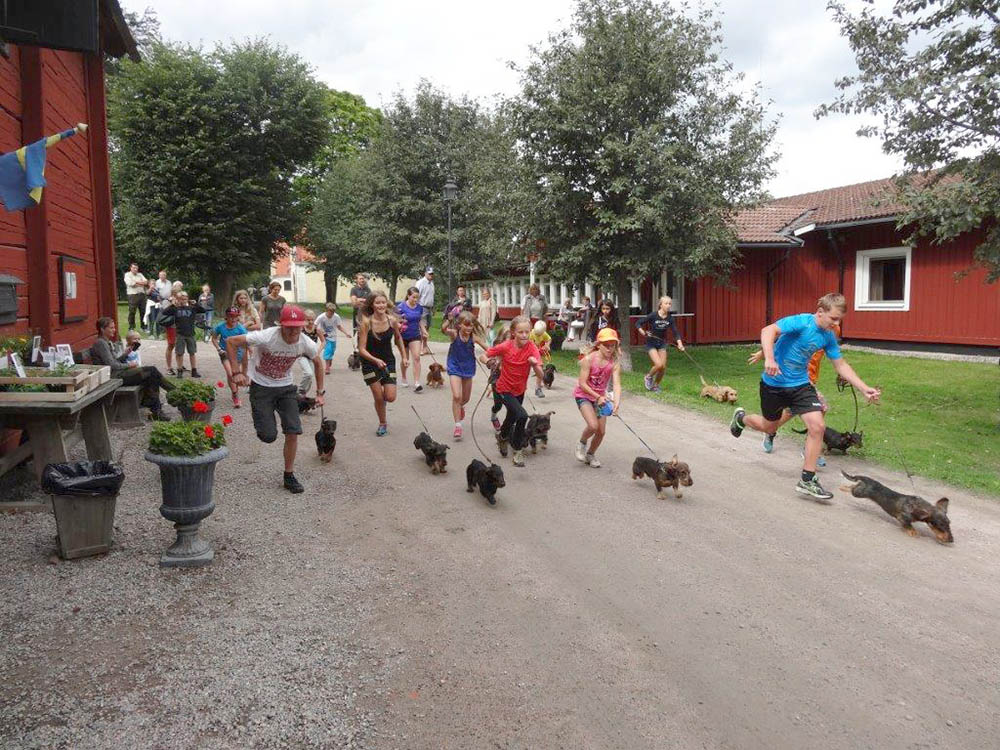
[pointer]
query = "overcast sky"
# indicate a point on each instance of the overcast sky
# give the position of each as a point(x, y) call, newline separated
point(377, 47)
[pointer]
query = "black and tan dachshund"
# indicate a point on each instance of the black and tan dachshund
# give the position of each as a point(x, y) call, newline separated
point(435, 454)
point(672, 473)
point(548, 375)
point(325, 440)
point(904, 508)
point(834, 440)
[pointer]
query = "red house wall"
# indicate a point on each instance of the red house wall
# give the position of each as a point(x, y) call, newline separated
point(42, 92)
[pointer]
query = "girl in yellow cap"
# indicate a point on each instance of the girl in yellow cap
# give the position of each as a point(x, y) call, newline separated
point(598, 366)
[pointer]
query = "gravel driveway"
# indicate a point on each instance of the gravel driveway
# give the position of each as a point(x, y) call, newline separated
point(388, 608)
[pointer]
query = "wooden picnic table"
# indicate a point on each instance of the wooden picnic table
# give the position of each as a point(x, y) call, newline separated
point(42, 420)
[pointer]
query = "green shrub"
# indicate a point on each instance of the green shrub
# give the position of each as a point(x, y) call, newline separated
point(189, 391)
point(20, 345)
point(186, 438)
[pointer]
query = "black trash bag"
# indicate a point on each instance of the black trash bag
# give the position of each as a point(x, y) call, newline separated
point(83, 478)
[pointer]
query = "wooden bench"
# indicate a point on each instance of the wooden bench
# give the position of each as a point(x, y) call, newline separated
point(125, 407)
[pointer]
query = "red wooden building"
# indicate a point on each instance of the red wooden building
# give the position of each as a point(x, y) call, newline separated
point(795, 249)
point(62, 249)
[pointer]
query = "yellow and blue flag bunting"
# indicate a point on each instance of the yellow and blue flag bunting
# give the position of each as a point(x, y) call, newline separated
point(22, 172)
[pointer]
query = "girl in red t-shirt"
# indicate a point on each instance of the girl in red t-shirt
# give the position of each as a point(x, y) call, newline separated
point(518, 357)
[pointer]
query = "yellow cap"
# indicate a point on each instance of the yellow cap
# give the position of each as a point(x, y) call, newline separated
point(607, 334)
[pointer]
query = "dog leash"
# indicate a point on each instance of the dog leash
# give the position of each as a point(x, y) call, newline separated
point(637, 436)
point(472, 423)
point(420, 420)
point(700, 368)
point(841, 385)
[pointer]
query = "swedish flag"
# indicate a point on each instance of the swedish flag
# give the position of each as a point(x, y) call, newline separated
point(22, 172)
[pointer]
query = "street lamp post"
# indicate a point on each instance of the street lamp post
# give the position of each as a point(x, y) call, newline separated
point(450, 193)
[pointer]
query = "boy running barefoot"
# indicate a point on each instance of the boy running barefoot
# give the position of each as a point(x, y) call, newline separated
point(785, 390)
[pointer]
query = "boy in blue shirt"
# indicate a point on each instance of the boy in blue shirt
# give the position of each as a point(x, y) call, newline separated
point(785, 383)
point(231, 326)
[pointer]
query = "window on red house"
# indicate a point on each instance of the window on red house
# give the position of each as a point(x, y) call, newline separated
point(887, 280)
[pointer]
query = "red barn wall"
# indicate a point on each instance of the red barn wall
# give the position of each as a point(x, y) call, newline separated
point(42, 92)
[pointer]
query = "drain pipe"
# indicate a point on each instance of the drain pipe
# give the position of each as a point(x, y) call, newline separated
point(841, 268)
point(770, 286)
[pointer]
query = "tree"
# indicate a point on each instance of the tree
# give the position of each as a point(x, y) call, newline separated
point(205, 149)
point(930, 72)
point(337, 226)
point(642, 148)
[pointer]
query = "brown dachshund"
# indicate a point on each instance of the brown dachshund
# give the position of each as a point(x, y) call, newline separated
point(435, 375)
point(672, 473)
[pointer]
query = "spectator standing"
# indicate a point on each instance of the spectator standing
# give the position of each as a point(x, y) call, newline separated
point(425, 285)
point(534, 305)
point(487, 314)
point(274, 352)
point(207, 300)
point(460, 304)
point(270, 306)
point(360, 293)
point(182, 314)
point(160, 290)
point(169, 324)
point(135, 290)
point(249, 317)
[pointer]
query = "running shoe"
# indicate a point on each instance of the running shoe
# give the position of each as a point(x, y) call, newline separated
point(293, 485)
point(418, 388)
point(593, 460)
point(502, 445)
point(518, 459)
point(195, 373)
point(172, 372)
point(382, 429)
point(813, 489)
point(656, 388)
point(648, 381)
point(404, 383)
point(539, 393)
point(458, 432)
point(581, 452)
point(736, 424)
point(768, 443)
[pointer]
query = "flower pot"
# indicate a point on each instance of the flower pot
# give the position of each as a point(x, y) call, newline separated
point(188, 414)
point(10, 438)
point(186, 483)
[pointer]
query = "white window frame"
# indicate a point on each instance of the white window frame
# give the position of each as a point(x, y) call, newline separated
point(862, 280)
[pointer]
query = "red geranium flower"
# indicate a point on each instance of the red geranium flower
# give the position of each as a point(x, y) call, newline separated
point(227, 420)
point(199, 407)
point(219, 384)
point(209, 432)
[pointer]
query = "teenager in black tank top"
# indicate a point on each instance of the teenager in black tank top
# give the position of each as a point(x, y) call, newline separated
point(378, 365)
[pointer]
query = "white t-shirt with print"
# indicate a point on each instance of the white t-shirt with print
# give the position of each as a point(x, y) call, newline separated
point(272, 358)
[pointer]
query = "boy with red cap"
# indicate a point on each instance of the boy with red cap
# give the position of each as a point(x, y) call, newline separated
point(275, 350)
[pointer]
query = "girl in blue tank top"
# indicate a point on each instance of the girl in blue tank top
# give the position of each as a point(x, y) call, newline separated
point(465, 332)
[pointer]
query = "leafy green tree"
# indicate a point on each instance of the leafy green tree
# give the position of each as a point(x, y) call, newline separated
point(642, 147)
point(204, 151)
point(338, 224)
point(930, 72)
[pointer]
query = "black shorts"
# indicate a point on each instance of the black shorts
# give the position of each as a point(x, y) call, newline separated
point(265, 401)
point(800, 399)
point(374, 375)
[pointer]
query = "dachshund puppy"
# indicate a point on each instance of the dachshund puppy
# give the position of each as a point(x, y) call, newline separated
point(536, 430)
point(672, 473)
point(838, 441)
point(548, 375)
point(325, 440)
point(435, 454)
point(354, 360)
point(904, 508)
point(488, 478)
point(721, 393)
point(435, 375)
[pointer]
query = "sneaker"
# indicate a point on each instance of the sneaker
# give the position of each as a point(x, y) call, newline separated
point(581, 452)
point(236, 402)
point(382, 429)
point(813, 489)
point(593, 461)
point(495, 422)
point(820, 461)
point(736, 423)
point(502, 446)
point(539, 393)
point(195, 373)
point(768, 443)
point(656, 388)
point(172, 372)
point(405, 384)
point(648, 381)
point(519, 458)
point(293, 485)
point(418, 388)
point(457, 434)
point(326, 371)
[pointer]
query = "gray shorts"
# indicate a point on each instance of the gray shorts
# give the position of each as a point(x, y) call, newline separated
point(187, 344)
point(265, 401)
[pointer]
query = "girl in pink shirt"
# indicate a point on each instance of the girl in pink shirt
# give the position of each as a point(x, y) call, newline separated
point(597, 367)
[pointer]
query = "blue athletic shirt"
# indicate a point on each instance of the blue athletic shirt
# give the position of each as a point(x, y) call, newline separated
point(224, 332)
point(800, 338)
point(410, 329)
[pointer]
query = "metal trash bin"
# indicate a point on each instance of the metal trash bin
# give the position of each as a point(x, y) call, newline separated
point(84, 494)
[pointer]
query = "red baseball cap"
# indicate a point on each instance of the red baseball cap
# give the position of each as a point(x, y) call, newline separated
point(292, 316)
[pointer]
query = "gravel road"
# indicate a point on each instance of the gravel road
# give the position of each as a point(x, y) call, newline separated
point(388, 608)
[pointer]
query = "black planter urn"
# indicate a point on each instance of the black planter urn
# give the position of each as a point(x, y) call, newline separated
point(186, 483)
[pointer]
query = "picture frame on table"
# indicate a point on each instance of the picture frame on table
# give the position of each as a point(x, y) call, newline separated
point(15, 361)
point(64, 354)
point(36, 349)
